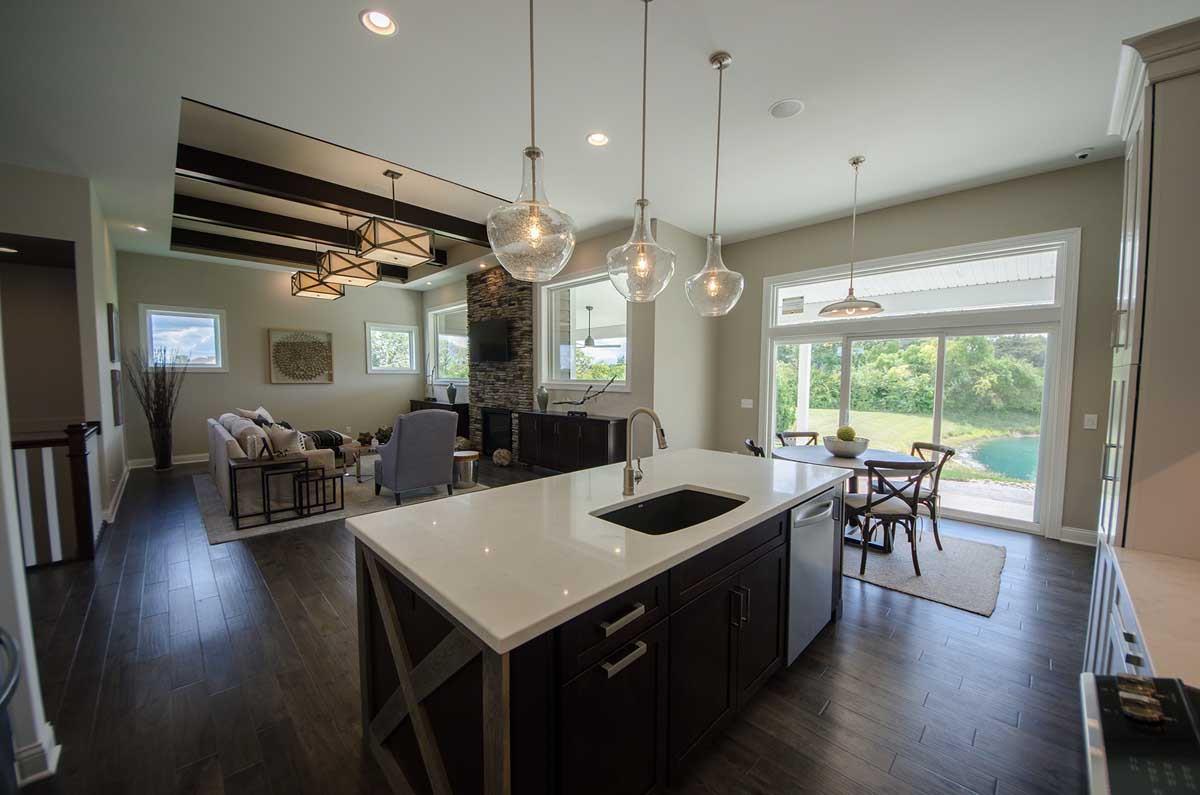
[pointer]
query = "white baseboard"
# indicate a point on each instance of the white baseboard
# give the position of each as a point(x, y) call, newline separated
point(1077, 535)
point(110, 512)
point(191, 458)
point(38, 761)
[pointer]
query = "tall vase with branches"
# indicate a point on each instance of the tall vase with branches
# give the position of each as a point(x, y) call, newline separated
point(157, 381)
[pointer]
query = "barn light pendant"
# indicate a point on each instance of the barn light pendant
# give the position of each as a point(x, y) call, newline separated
point(392, 241)
point(641, 269)
point(531, 239)
point(306, 284)
point(346, 267)
point(714, 291)
point(851, 306)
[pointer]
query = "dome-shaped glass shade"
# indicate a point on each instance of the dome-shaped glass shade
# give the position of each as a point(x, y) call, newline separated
point(641, 268)
point(531, 239)
point(714, 290)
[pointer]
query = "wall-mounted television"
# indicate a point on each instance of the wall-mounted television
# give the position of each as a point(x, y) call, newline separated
point(489, 340)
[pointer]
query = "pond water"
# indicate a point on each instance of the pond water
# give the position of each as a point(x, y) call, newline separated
point(1014, 456)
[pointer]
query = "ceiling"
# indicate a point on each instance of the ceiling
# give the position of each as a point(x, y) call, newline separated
point(941, 96)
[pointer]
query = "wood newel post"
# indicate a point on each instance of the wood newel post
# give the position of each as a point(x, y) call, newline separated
point(81, 487)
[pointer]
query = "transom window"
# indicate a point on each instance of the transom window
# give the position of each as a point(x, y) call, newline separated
point(391, 348)
point(585, 333)
point(449, 345)
point(1023, 277)
point(187, 335)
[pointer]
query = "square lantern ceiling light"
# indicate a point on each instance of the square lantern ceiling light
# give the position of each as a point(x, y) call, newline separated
point(340, 267)
point(390, 241)
point(307, 284)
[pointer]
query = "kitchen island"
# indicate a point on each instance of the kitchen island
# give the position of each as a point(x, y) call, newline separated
point(513, 640)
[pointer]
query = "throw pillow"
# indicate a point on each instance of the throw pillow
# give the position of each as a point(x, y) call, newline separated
point(284, 440)
point(246, 414)
point(261, 412)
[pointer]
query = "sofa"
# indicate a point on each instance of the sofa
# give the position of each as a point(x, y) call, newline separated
point(229, 437)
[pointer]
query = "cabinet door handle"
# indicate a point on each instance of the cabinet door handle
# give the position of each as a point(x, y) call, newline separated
point(743, 613)
point(612, 627)
point(612, 669)
point(1134, 659)
point(735, 608)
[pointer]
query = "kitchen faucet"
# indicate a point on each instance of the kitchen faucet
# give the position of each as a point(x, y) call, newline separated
point(632, 477)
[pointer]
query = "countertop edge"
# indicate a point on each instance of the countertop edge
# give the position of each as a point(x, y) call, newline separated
point(585, 603)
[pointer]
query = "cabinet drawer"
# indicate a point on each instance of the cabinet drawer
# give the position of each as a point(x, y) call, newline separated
point(584, 640)
point(695, 576)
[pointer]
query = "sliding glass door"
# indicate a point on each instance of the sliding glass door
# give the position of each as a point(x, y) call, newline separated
point(982, 394)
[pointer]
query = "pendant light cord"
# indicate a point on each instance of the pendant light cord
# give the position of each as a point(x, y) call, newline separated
point(853, 224)
point(645, 51)
point(717, 170)
point(532, 138)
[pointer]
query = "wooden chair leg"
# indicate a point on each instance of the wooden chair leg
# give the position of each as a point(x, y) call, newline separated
point(397, 499)
point(377, 488)
point(866, 542)
point(933, 519)
point(912, 540)
point(450, 489)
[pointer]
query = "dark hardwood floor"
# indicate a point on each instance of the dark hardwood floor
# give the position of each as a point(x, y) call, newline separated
point(169, 665)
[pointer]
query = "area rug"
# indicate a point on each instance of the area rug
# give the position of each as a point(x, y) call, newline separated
point(360, 499)
point(965, 574)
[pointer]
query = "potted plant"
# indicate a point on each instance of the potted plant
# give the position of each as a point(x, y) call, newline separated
point(157, 381)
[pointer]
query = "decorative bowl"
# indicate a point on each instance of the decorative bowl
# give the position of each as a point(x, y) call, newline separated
point(843, 449)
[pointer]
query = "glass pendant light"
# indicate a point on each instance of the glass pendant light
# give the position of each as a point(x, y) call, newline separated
point(346, 267)
point(641, 268)
point(714, 291)
point(531, 239)
point(851, 306)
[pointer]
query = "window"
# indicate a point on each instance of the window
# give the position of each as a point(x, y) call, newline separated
point(391, 348)
point(585, 333)
point(999, 279)
point(195, 337)
point(449, 352)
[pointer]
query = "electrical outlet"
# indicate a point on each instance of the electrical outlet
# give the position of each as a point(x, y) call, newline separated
point(747, 403)
point(1090, 421)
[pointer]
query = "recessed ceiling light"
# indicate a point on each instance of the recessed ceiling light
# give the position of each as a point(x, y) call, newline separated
point(7, 250)
point(597, 139)
point(377, 22)
point(428, 284)
point(482, 265)
point(140, 228)
point(786, 108)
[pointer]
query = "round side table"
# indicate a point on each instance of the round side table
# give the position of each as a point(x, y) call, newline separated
point(466, 467)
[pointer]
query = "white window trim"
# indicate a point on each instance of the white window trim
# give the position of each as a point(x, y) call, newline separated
point(1058, 320)
point(222, 346)
point(541, 315)
point(413, 346)
point(431, 337)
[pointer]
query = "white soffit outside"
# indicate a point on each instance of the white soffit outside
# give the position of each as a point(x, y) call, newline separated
point(941, 95)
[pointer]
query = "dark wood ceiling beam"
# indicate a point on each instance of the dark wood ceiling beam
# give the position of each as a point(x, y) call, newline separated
point(220, 169)
point(259, 221)
point(215, 245)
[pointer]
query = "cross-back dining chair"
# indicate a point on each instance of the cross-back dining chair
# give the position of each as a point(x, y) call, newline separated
point(893, 491)
point(788, 438)
point(930, 500)
point(754, 449)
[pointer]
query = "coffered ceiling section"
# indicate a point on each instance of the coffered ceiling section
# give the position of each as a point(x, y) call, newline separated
point(247, 190)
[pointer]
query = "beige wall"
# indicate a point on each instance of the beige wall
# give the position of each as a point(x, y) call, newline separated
point(254, 300)
point(45, 381)
point(685, 350)
point(63, 207)
point(1088, 197)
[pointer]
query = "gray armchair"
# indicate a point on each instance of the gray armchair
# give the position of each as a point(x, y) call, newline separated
point(419, 454)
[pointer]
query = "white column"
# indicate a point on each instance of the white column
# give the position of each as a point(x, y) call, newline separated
point(36, 749)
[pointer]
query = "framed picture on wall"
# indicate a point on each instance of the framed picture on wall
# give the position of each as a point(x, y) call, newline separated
point(114, 335)
point(115, 382)
point(297, 356)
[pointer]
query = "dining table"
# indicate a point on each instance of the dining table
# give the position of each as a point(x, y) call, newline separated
point(817, 454)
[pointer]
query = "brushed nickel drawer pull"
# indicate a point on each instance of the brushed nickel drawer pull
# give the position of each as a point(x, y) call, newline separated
point(1135, 660)
point(612, 627)
point(612, 669)
point(1130, 637)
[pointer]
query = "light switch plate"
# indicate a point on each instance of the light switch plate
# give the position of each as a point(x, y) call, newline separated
point(747, 403)
point(1090, 421)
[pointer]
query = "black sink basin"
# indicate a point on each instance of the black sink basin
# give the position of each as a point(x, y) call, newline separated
point(670, 512)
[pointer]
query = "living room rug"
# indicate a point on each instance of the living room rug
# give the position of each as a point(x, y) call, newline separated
point(360, 499)
point(965, 574)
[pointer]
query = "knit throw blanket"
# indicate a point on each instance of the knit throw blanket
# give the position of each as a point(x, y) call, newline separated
point(325, 440)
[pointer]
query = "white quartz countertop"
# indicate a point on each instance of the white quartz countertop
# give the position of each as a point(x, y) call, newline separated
point(512, 562)
point(1162, 590)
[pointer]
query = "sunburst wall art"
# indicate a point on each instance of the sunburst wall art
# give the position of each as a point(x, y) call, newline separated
point(300, 357)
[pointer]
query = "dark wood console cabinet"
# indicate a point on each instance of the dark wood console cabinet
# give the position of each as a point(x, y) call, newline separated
point(463, 410)
point(617, 700)
point(557, 441)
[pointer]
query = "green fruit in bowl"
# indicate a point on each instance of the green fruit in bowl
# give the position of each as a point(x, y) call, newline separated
point(846, 433)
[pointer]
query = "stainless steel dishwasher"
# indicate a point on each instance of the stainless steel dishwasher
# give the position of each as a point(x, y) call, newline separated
point(814, 538)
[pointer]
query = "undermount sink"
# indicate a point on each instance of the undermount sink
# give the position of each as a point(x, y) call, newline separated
point(669, 512)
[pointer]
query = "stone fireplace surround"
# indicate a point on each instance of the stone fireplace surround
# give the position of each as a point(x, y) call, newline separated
point(493, 294)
